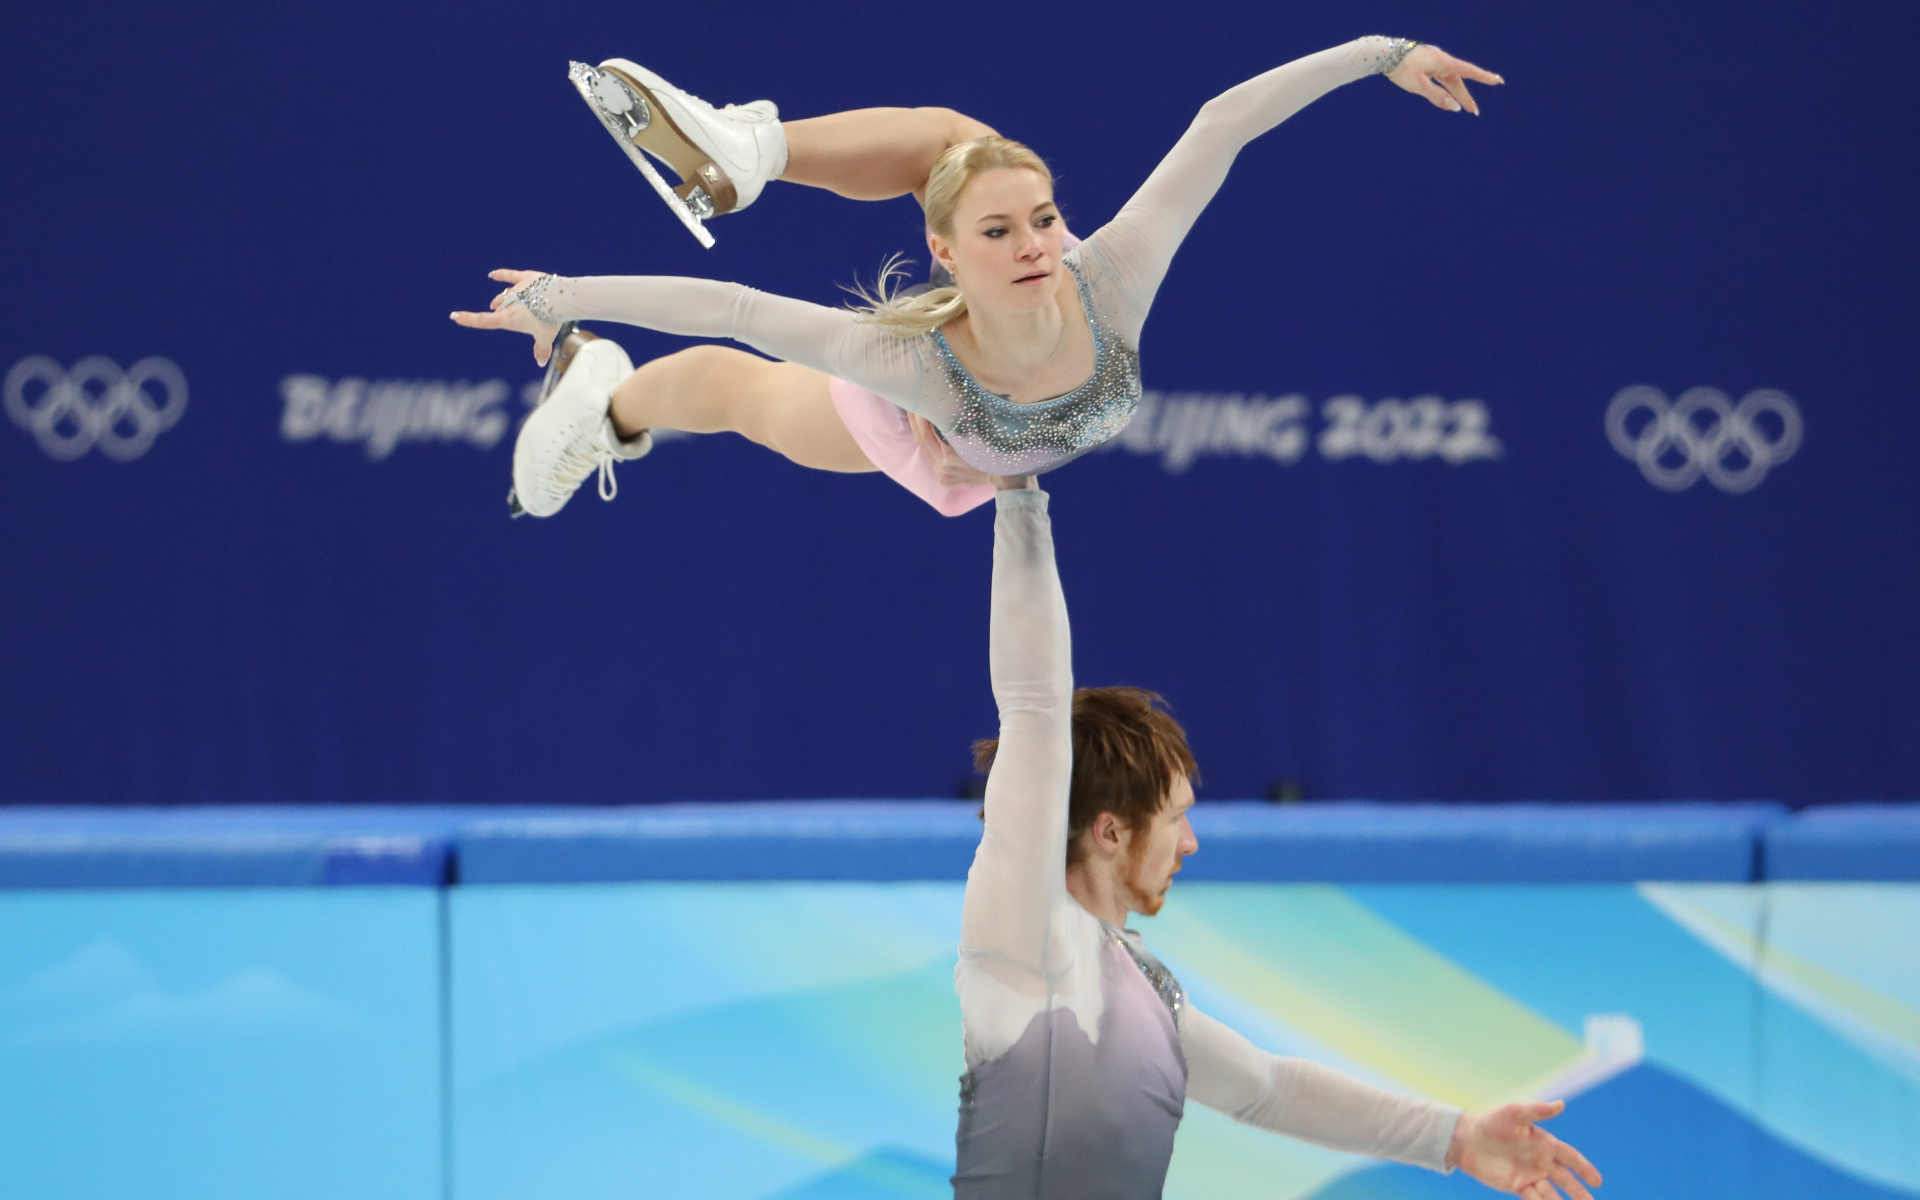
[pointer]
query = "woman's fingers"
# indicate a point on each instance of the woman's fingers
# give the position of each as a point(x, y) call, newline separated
point(513, 279)
point(1449, 65)
point(504, 312)
point(1437, 94)
point(514, 319)
point(485, 320)
point(1542, 1110)
point(1442, 79)
point(1457, 88)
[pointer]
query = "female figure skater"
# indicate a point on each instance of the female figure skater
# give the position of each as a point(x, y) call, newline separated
point(1081, 1048)
point(1027, 358)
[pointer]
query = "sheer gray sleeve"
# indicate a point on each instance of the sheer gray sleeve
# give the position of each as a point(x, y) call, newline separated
point(1137, 246)
point(830, 340)
point(1017, 886)
point(1305, 1100)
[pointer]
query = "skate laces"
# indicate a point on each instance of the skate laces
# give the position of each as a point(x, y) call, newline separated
point(583, 456)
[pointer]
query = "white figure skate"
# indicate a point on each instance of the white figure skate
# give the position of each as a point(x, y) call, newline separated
point(724, 156)
point(570, 432)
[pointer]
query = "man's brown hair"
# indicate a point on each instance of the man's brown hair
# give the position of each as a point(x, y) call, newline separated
point(1127, 751)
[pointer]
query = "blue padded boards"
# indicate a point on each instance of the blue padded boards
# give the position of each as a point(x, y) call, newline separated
point(1869, 842)
point(880, 840)
point(226, 846)
point(1348, 842)
point(1343, 842)
point(1365, 842)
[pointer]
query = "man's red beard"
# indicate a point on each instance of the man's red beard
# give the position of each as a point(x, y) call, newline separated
point(1142, 899)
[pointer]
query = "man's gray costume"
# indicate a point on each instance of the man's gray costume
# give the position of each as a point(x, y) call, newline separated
point(1081, 1048)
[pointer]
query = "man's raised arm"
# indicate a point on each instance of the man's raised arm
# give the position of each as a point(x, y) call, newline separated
point(1018, 879)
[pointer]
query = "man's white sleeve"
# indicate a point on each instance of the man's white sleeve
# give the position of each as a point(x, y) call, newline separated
point(1313, 1103)
point(1017, 887)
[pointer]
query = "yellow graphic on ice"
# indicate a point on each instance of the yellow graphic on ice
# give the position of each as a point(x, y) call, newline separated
point(1329, 967)
point(748, 1120)
point(1878, 1022)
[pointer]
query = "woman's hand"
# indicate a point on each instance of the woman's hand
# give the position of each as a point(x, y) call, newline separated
point(1431, 72)
point(948, 466)
point(1505, 1150)
point(508, 313)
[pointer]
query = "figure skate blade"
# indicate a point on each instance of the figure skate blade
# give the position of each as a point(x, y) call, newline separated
point(622, 124)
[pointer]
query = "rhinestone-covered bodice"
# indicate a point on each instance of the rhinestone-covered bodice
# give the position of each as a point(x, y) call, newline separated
point(1004, 438)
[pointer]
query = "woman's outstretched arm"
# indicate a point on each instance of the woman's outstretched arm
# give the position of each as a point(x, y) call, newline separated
point(1138, 244)
point(830, 340)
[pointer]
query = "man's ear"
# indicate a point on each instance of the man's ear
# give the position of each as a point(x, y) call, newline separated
point(1108, 833)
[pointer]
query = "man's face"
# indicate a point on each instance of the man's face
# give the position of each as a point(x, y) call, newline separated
point(1155, 852)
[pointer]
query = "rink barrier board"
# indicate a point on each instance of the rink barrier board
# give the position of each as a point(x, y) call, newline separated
point(778, 1040)
point(255, 1027)
point(1843, 842)
point(1241, 841)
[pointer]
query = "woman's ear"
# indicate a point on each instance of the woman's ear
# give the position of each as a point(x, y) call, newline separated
point(942, 253)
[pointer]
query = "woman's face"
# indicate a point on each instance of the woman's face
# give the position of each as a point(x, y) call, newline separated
point(1005, 248)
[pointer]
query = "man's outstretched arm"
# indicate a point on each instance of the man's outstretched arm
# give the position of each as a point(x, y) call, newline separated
point(1502, 1148)
point(1308, 1101)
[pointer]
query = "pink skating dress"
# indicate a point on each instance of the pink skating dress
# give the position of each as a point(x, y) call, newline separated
point(881, 429)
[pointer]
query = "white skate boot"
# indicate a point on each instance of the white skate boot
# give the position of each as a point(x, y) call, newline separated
point(570, 433)
point(724, 156)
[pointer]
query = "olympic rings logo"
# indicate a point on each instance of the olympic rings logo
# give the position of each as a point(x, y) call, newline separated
point(69, 412)
point(1704, 433)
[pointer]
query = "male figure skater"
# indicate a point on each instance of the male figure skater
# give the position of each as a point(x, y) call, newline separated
point(1081, 1047)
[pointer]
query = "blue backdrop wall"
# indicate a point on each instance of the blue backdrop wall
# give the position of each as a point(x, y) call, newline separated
point(295, 579)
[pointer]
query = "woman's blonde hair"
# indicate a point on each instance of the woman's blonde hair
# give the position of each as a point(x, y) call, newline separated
point(909, 316)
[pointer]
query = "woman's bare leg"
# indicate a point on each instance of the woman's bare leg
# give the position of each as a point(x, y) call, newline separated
point(874, 153)
point(714, 389)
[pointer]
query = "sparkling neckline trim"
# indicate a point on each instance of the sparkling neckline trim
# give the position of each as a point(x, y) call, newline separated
point(993, 398)
point(1164, 984)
